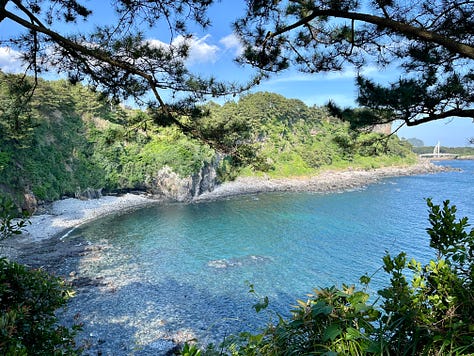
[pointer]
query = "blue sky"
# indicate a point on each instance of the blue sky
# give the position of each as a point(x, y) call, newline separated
point(214, 49)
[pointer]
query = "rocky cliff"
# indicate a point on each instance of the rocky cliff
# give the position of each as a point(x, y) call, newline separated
point(169, 184)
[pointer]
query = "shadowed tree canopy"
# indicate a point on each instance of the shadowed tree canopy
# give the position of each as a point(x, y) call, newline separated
point(432, 42)
point(117, 59)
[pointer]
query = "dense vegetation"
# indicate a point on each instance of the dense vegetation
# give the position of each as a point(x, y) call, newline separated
point(67, 138)
point(284, 137)
point(29, 300)
point(424, 310)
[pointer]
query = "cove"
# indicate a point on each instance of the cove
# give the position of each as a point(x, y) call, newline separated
point(179, 271)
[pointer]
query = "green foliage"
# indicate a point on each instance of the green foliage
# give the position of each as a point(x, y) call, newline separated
point(56, 160)
point(226, 170)
point(435, 312)
point(28, 301)
point(332, 321)
point(129, 159)
point(17, 118)
point(10, 223)
point(268, 133)
point(190, 350)
point(425, 310)
point(81, 140)
point(172, 148)
point(360, 117)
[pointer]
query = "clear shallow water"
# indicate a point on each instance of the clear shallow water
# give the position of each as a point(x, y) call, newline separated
point(187, 264)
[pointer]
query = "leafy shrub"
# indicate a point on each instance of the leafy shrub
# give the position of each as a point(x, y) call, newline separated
point(333, 321)
point(10, 224)
point(226, 170)
point(28, 300)
point(316, 158)
point(435, 312)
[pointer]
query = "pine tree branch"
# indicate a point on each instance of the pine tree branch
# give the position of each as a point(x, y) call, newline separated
point(466, 113)
point(75, 49)
point(403, 28)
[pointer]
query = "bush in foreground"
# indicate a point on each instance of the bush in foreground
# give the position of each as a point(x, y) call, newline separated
point(28, 301)
point(429, 313)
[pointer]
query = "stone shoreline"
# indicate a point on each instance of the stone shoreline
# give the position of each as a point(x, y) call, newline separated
point(67, 214)
point(325, 182)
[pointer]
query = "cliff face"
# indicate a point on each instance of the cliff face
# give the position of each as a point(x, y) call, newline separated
point(169, 184)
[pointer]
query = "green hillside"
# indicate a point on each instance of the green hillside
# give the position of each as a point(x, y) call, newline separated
point(68, 138)
point(268, 133)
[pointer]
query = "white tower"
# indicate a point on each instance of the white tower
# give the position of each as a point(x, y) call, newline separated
point(436, 150)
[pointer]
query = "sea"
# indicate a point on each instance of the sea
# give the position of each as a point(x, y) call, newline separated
point(196, 270)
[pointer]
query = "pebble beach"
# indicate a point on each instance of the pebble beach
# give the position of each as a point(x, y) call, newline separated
point(66, 214)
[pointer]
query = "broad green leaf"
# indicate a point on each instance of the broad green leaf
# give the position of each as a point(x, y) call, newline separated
point(331, 332)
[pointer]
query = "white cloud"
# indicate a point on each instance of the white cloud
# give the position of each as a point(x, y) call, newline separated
point(232, 42)
point(156, 43)
point(200, 51)
point(10, 60)
point(323, 76)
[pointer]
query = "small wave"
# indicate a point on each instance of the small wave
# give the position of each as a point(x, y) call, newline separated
point(69, 232)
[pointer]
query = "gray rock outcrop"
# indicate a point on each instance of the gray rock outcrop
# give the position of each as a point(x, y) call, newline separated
point(87, 194)
point(169, 184)
point(30, 203)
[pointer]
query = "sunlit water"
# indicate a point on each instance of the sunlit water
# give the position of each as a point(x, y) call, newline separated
point(187, 266)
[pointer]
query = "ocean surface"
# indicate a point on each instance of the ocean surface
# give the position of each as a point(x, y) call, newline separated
point(186, 268)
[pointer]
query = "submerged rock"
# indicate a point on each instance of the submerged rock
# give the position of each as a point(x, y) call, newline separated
point(238, 261)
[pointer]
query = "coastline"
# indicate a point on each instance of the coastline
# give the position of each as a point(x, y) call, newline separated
point(325, 182)
point(67, 214)
point(45, 245)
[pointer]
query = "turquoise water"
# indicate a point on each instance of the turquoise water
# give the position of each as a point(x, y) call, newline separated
point(192, 262)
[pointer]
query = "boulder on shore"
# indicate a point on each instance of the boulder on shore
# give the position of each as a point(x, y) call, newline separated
point(88, 194)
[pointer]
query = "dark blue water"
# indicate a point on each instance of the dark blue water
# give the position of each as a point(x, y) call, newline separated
point(191, 263)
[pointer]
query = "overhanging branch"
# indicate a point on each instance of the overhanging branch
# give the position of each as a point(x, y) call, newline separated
point(396, 26)
point(467, 113)
point(95, 53)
